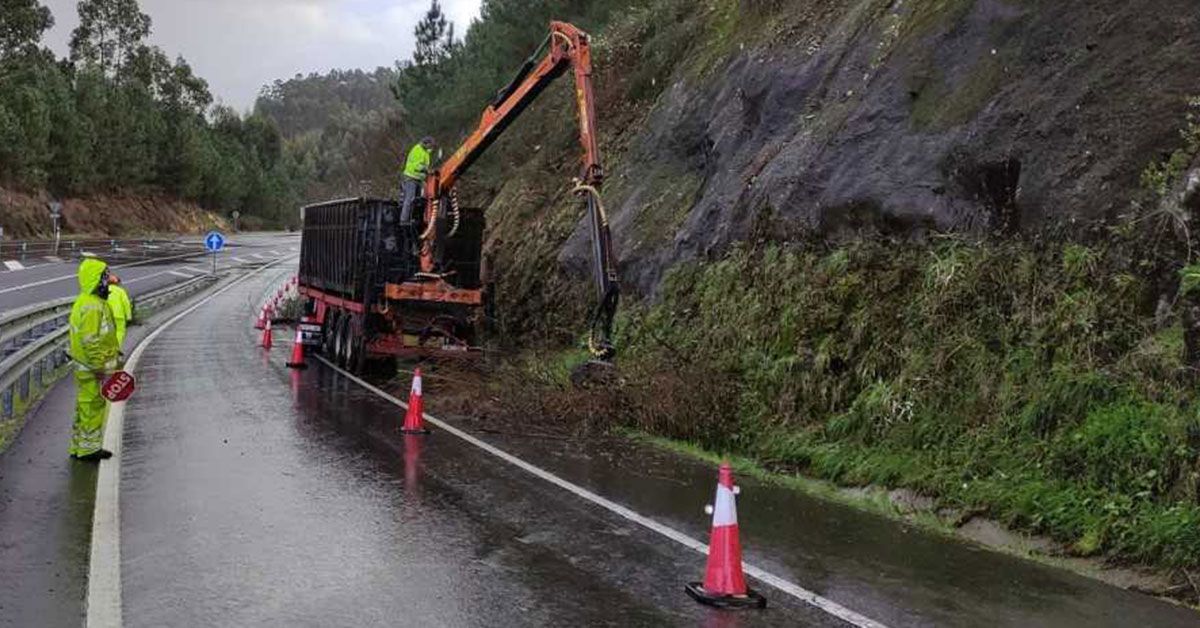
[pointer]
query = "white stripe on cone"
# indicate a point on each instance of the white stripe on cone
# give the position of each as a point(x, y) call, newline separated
point(725, 509)
point(416, 387)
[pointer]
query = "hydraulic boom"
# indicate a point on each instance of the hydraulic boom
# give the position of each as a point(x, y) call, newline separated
point(565, 48)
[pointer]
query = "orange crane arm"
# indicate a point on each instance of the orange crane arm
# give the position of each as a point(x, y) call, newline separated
point(566, 47)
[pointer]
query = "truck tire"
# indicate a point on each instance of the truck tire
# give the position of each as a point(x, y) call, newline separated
point(354, 345)
point(329, 333)
point(339, 339)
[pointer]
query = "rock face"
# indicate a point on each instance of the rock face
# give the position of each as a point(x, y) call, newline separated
point(25, 216)
point(968, 115)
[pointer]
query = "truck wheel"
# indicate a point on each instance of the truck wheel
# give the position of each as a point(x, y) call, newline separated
point(354, 346)
point(328, 334)
point(339, 339)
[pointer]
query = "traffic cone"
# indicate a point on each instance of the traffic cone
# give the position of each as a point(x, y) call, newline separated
point(724, 583)
point(266, 336)
point(297, 361)
point(414, 419)
point(412, 462)
point(262, 318)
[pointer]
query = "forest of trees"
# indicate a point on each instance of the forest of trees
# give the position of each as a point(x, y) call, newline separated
point(119, 115)
point(354, 127)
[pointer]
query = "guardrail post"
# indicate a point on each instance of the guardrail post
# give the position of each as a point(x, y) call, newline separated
point(113, 243)
point(24, 392)
point(24, 249)
point(6, 403)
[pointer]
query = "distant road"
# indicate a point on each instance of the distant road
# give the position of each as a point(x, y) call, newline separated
point(54, 280)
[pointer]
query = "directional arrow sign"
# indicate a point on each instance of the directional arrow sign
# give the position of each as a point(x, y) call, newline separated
point(214, 241)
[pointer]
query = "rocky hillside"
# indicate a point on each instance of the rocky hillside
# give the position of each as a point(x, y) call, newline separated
point(899, 117)
point(25, 216)
point(944, 245)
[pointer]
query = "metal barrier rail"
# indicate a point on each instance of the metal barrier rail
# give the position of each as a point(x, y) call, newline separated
point(22, 250)
point(33, 344)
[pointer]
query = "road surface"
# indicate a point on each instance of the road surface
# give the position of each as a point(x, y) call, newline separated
point(254, 495)
point(49, 281)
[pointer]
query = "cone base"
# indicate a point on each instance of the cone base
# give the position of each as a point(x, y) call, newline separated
point(297, 365)
point(752, 599)
point(421, 431)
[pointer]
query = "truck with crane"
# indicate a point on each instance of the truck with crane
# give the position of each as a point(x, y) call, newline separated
point(379, 289)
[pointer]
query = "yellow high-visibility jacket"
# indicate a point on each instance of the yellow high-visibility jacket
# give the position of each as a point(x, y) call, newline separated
point(93, 334)
point(418, 163)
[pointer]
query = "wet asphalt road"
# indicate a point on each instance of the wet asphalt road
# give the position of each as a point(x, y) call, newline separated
point(254, 496)
point(46, 282)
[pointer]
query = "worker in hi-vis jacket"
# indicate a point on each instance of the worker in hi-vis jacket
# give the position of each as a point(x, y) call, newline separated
point(95, 353)
point(121, 306)
point(416, 167)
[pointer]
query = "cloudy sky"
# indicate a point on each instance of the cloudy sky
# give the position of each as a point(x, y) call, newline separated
point(240, 45)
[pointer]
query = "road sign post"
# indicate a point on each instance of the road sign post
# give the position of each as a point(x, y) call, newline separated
point(56, 215)
point(214, 242)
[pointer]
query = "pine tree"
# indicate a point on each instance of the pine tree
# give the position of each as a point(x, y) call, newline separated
point(431, 36)
point(22, 23)
point(110, 34)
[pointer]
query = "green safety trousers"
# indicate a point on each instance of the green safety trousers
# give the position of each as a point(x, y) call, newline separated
point(91, 409)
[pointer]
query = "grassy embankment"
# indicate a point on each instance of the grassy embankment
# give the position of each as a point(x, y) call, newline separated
point(1038, 381)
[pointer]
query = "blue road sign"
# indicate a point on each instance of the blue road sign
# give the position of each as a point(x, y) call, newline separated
point(214, 241)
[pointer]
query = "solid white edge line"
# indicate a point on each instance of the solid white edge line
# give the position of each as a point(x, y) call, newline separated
point(828, 606)
point(103, 605)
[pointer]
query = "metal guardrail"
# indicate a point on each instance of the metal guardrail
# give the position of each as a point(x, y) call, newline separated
point(33, 343)
point(24, 250)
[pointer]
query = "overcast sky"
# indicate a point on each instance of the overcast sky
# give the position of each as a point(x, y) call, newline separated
point(241, 45)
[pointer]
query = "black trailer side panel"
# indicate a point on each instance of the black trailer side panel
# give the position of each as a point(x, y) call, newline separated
point(327, 259)
point(351, 247)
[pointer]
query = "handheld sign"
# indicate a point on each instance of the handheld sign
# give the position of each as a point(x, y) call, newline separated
point(118, 387)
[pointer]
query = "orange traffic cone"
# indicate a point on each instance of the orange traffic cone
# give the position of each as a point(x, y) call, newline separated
point(724, 583)
point(266, 336)
point(262, 318)
point(414, 419)
point(297, 361)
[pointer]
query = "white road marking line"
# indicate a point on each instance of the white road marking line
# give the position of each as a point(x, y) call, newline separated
point(13, 265)
point(828, 606)
point(192, 270)
point(86, 254)
point(240, 260)
point(103, 605)
point(179, 274)
point(258, 256)
point(274, 252)
point(53, 258)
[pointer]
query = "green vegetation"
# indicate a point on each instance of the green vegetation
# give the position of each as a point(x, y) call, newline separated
point(119, 115)
point(1029, 383)
point(1161, 175)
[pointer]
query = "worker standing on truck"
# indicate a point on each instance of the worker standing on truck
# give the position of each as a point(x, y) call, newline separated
point(121, 307)
point(415, 170)
point(95, 351)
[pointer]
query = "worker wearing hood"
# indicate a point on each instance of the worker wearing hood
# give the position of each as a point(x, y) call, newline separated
point(95, 351)
point(120, 306)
